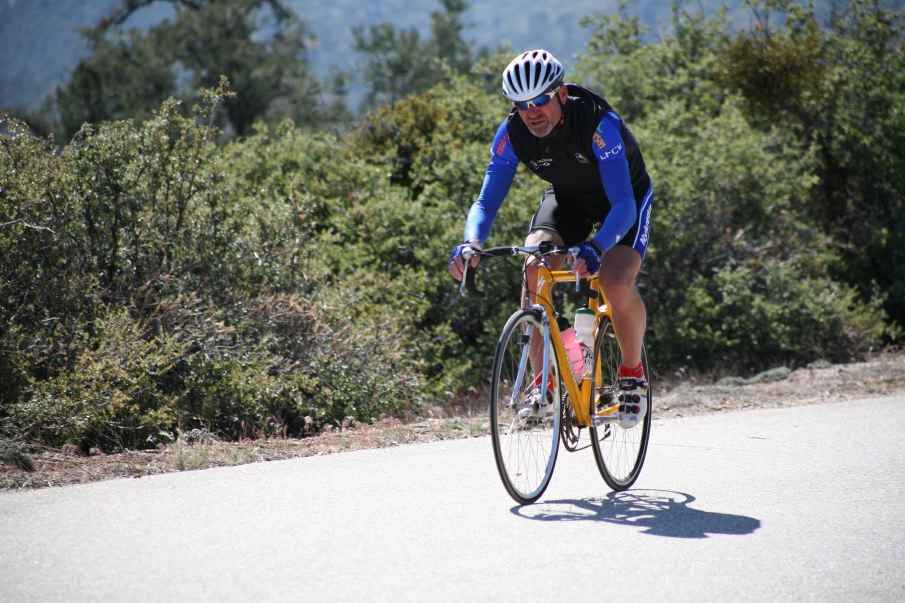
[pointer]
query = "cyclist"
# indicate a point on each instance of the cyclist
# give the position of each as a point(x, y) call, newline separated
point(573, 139)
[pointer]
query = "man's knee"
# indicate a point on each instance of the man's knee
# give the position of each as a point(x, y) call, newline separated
point(618, 286)
point(619, 272)
point(539, 235)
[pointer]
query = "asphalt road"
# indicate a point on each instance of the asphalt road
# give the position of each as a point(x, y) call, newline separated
point(796, 504)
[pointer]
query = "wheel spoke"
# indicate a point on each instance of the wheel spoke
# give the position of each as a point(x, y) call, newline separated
point(525, 419)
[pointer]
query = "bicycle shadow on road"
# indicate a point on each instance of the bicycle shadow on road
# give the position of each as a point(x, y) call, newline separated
point(659, 512)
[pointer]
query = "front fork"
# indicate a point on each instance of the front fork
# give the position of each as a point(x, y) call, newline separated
point(524, 361)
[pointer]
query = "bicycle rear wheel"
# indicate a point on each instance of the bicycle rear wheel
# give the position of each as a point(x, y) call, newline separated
point(524, 422)
point(619, 452)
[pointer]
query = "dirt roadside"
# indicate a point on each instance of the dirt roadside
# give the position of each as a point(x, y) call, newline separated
point(882, 375)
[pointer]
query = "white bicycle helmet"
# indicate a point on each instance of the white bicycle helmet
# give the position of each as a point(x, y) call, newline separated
point(530, 74)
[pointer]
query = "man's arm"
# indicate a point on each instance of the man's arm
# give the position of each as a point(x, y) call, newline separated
point(497, 181)
point(609, 150)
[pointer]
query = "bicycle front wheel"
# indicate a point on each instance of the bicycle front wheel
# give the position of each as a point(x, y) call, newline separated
point(524, 420)
point(619, 452)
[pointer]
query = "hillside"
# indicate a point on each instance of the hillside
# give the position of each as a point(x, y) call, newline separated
point(40, 43)
point(160, 277)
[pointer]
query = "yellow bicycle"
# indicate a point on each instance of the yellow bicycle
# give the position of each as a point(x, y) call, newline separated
point(535, 400)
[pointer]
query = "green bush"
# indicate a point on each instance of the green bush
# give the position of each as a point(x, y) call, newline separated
point(290, 367)
point(764, 314)
point(739, 275)
point(109, 397)
point(156, 280)
point(154, 277)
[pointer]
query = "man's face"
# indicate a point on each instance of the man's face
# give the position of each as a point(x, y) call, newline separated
point(542, 120)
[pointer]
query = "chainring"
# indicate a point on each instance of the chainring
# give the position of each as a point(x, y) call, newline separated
point(571, 433)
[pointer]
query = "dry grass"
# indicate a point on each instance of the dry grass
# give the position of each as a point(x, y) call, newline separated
point(60, 467)
point(882, 375)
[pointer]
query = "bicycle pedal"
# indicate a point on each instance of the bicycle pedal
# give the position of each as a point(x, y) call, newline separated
point(604, 420)
point(603, 401)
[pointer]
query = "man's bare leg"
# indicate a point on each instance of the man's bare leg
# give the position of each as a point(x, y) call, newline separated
point(618, 274)
point(536, 237)
point(529, 288)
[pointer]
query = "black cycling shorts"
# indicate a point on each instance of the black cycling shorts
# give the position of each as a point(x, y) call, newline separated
point(575, 219)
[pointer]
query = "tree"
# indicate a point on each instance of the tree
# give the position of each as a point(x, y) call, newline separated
point(125, 77)
point(741, 278)
point(447, 27)
point(400, 63)
point(838, 90)
point(259, 45)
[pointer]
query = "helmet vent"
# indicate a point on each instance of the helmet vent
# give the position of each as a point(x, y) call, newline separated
point(517, 83)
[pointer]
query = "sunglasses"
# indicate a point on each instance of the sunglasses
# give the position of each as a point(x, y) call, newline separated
point(540, 101)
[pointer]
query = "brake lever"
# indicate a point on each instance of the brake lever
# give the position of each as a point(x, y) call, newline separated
point(467, 285)
point(573, 257)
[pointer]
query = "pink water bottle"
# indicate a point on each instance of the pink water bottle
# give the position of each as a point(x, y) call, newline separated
point(573, 349)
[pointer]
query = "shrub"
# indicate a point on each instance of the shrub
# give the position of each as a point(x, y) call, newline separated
point(759, 315)
point(155, 280)
point(154, 277)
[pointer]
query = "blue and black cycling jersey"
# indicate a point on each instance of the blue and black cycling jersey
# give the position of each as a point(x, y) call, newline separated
point(591, 159)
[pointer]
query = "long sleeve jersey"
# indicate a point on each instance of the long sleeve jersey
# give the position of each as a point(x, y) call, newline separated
point(591, 159)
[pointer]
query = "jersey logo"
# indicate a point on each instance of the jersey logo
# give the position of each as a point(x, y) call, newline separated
point(645, 231)
point(599, 141)
point(540, 164)
point(611, 153)
point(500, 147)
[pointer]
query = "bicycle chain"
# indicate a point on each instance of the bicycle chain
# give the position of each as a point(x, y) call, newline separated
point(571, 432)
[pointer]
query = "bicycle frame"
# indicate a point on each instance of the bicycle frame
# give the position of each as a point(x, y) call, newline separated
point(525, 444)
point(579, 393)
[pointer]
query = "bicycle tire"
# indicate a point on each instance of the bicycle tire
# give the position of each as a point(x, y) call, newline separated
point(525, 432)
point(619, 452)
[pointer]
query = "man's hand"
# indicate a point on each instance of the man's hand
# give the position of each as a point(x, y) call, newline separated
point(587, 261)
point(457, 262)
